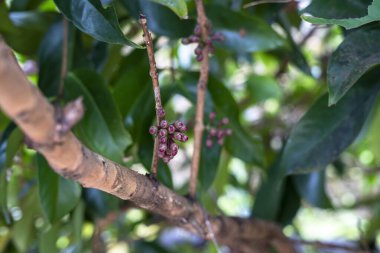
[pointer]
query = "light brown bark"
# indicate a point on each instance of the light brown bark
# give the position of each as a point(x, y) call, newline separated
point(25, 104)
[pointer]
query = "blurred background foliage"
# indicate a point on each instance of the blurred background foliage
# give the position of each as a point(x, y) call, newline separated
point(302, 101)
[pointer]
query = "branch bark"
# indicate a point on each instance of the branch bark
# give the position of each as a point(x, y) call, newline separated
point(25, 104)
point(201, 92)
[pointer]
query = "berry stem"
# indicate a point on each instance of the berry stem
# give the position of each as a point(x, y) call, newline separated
point(160, 113)
point(201, 91)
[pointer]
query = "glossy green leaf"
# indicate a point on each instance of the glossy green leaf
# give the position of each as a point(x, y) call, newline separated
point(334, 9)
point(45, 244)
point(240, 144)
point(209, 164)
point(178, 6)
point(290, 203)
point(58, 196)
point(102, 138)
point(357, 54)
point(349, 23)
point(239, 33)
point(261, 88)
point(99, 203)
point(324, 132)
point(161, 20)
point(312, 188)
point(27, 26)
point(91, 17)
point(103, 98)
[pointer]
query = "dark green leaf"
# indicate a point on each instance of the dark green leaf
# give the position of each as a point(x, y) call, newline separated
point(334, 9)
point(91, 17)
point(261, 88)
point(239, 32)
point(95, 130)
point(179, 6)
point(312, 188)
point(356, 55)
point(290, 203)
point(209, 164)
point(240, 144)
point(24, 5)
point(161, 20)
point(104, 100)
point(100, 203)
point(349, 23)
point(47, 239)
point(58, 196)
point(324, 132)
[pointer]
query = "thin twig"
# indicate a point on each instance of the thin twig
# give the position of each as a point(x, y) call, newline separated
point(201, 91)
point(65, 43)
point(266, 2)
point(156, 88)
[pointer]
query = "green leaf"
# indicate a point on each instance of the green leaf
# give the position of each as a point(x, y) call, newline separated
point(91, 17)
point(349, 23)
point(161, 20)
point(96, 129)
point(104, 100)
point(333, 9)
point(240, 144)
point(312, 188)
point(209, 164)
point(178, 6)
point(99, 203)
point(46, 243)
point(357, 54)
point(261, 88)
point(290, 203)
point(58, 196)
point(324, 132)
point(239, 33)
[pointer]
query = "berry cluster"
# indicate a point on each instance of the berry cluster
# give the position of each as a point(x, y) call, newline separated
point(197, 38)
point(217, 132)
point(167, 134)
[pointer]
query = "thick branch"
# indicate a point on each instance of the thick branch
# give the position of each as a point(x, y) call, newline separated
point(201, 92)
point(25, 104)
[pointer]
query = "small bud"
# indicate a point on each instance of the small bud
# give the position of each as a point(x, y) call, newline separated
point(213, 132)
point(197, 30)
point(183, 129)
point(199, 58)
point(198, 50)
point(193, 39)
point(171, 129)
point(212, 116)
point(228, 131)
point(162, 148)
point(184, 138)
point(173, 147)
point(163, 140)
point(153, 130)
point(169, 152)
point(220, 134)
point(174, 152)
point(161, 154)
point(225, 121)
point(209, 143)
point(221, 142)
point(164, 123)
point(178, 124)
point(161, 113)
point(177, 136)
point(163, 133)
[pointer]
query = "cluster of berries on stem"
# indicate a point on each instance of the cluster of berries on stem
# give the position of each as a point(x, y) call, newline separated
point(167, 135)
point(196, 37)
point(217, 131)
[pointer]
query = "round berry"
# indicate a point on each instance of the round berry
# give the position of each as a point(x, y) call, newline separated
point(212, 115)
point(162, 148)
point(173, 147)
point(213, 132)
point(153, 130)
point(209, 143)
point(178, 124)
point(198, 50)
point(183, 129)
point(185, 41)
point(163, 140)
point(171, 129)
point(199, 58)
point(197, 30)
point(161, 112)
point(184, 138)
point(193, 38)
point(220, 134)
point(161, 154)
point(177, 136)
point(228, 131)
point(221, 142)
point(225, 121)
point(163, 133)
point(164, 123)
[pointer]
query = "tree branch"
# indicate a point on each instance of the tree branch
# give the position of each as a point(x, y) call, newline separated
point(156, 88)
point(25, 104)
point(201, 92)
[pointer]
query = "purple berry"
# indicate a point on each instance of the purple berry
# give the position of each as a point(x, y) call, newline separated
point(177, 136)
point(173, 147)
point(161, 154)
point(164, 123)
point(225, 121)
point(184, 138)
point(221, 142)
point(163, 140)
point(174, 152)
point(163, 133)
point(199, 58)
point(171, 129)
point(220, 134)
point(169, 152)
point(153, 130)
point(228, 131)
point(162, 148)
point(209, 143)
point(178, 124)
point(213, 132)
point(198, 50)
point(212, 116)
point(161, 112)
point(183, 129)
point(185, 41)
point(197, 30)
point(193, 39)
